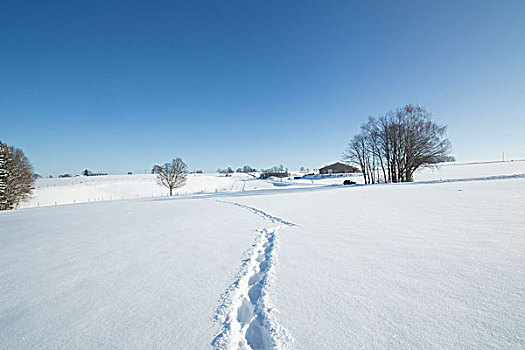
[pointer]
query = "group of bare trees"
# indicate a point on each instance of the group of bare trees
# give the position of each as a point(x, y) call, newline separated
point(391, 147)
point(16, 177)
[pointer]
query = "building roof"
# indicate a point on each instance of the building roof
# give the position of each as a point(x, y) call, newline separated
point(336, 164)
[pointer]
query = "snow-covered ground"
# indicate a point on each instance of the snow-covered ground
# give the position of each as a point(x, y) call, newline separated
point(465, 170)
point(301, 264)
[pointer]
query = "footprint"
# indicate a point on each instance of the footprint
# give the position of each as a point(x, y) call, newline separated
point(255, 293)
point(257, 336)
point(245, 312)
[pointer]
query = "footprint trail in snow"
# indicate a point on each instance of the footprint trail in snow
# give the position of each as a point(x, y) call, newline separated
point(245, 312)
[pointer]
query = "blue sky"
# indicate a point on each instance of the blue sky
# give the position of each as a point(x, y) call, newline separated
point(122, 85)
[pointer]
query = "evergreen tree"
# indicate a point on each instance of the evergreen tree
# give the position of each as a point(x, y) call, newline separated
point(3, 175)
point(16, 177)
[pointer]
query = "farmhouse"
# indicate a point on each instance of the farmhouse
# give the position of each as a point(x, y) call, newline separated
point(338, 168)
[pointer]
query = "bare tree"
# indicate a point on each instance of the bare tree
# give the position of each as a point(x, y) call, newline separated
point(356, 153)
point(413, 140)
point(172, 175)
point(16, 177)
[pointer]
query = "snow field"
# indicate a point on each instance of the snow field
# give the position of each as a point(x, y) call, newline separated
point(421, 266)
point(125, 275)
point(437, 263)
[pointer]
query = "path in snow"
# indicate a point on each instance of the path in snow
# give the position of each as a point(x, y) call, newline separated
point(240, 187)
point(247, 318)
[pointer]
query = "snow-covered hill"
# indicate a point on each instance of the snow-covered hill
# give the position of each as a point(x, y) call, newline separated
point(83, 189)
point(299, 264)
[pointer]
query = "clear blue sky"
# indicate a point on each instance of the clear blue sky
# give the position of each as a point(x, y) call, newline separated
point(121, 85)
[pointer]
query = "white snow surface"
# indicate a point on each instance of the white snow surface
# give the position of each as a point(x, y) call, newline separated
point(299, 264)
point(121, 274)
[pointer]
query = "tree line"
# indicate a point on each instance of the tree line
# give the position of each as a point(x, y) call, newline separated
point(391, 147)
point(275, 171)
point(229, 170)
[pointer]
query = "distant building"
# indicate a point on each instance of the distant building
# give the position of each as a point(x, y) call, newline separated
point(338, 168)
point(157, 169)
